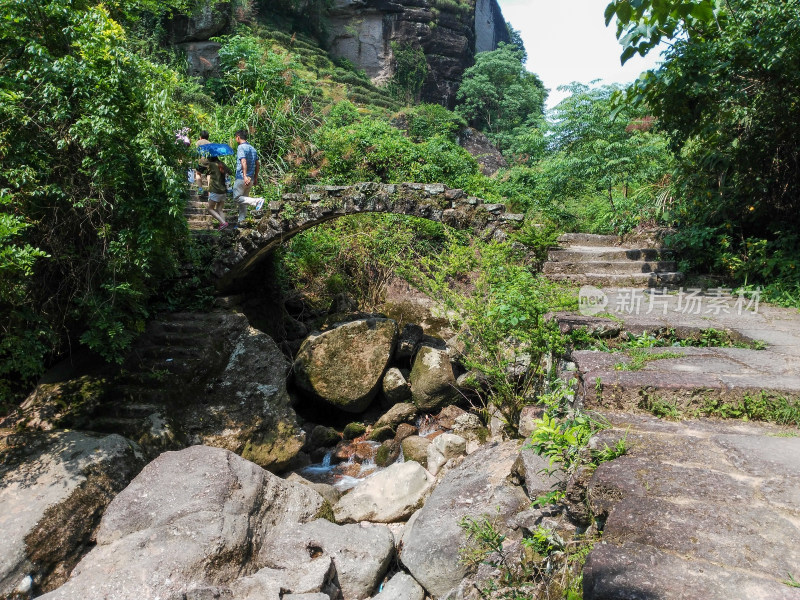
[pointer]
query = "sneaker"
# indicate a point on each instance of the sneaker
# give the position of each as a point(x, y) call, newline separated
point(260, 204)
point(223, 225)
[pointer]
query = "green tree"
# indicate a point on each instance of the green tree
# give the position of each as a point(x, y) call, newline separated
point(727, 96)
point(410, 71)
point(499, 96)
point(615, 162)
point(92, 196)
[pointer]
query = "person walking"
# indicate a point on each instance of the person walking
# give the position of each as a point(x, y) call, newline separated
point(217, 191)
point(247, 167)
point(201, 180)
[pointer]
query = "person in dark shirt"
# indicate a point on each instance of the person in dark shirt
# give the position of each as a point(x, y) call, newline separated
point(216, 170)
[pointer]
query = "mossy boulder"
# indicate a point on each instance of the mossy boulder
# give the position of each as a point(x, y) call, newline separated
point(344, 366)
point(381, 434)
point(353, 430)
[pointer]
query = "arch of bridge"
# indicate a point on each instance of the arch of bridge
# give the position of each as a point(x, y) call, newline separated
point(242, 250)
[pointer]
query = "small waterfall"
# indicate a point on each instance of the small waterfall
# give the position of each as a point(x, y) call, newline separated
point(426, 424)
point(326, 460)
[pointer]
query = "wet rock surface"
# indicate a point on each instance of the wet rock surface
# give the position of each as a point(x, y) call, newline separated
point(698, 509)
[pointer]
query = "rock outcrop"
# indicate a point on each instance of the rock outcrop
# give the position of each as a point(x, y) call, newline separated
point(361, 554)
point(478, 487)
point(369, 32)
point(51, 501)
point(344, 366)
point(189, 524)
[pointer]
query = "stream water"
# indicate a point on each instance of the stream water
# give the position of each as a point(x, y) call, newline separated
point(360, 463)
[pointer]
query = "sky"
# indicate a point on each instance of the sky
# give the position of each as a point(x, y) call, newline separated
point(567, 40)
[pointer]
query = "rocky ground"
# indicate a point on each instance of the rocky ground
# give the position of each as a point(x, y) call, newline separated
point(187, 505)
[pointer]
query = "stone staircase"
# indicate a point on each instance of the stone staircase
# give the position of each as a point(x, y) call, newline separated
point(165, 365)
point(196, 212)
point(608, 260)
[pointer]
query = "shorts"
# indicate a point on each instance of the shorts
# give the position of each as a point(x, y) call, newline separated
point(214, 197)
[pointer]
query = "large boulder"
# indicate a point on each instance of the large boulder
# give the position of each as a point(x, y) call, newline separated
point(387, 496)
point(248, 410)
point(191, 520)
point(344, 366)
point(53, 491)
point(416, 448)
point(361, 554)
point(478, 487)
point(433, 383)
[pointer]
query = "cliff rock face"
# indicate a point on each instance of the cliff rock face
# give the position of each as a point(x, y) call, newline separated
point(449, 32)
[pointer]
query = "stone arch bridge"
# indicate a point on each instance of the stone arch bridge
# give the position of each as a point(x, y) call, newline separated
point(240, 251)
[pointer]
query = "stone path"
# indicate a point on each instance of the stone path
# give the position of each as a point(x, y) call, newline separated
point(698, 509)
point(610, 260)
point(700, 373)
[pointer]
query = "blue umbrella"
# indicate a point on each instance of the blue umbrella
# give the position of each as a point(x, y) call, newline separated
point(215, 150)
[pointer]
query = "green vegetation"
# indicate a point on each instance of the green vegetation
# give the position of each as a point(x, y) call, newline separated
point(726, 98)
point(581, 339)
point(91, 193)
point(546, 567)
point(792, 582)
point(640, 357)
point(763, 406)
point(499, 96)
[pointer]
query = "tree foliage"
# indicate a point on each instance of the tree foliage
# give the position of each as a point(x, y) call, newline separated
point(611, 161)
point(499, 96)
point(727, 96)
point(92, 198)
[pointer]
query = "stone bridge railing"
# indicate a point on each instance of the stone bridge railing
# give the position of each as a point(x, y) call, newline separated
point(242, 250)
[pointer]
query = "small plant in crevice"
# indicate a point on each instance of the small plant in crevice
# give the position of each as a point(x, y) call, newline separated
point(791, 582)
point(543, 565)
point(761, 406)
point(581, 339)
point(639, 359)
point(663, 409)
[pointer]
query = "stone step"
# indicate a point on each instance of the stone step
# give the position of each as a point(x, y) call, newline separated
point(189, 210)
point(628, 280)
point(590, 239)
point(579, 253)
point(628, 267)
point(131, 410)
point(687, 381)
